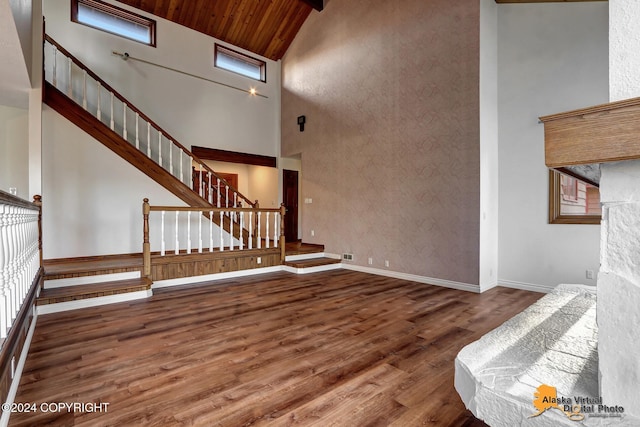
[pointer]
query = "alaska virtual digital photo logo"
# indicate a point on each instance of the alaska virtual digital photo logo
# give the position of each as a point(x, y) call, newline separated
point(576, 408)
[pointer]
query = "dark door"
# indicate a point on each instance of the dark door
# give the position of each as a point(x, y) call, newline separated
point(290, 192)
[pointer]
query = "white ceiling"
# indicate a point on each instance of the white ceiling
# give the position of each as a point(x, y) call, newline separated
point(14, 77)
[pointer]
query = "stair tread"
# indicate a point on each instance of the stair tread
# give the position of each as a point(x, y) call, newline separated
point(298, 248)
point(312, 262)
point(78, 292)
point(91, 265)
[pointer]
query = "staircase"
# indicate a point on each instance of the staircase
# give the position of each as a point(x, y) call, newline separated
point(91, 281)
point(81, 96)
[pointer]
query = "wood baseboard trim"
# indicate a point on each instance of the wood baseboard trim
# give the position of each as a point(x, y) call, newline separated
point(16, 342)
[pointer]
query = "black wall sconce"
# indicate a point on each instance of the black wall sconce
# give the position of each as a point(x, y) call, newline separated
point(301, 122)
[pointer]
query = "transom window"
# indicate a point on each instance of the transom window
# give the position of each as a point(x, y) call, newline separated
point(239, 63)
point(114, 20)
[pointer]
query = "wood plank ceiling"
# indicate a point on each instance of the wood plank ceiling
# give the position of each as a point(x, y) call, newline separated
point(265, 27)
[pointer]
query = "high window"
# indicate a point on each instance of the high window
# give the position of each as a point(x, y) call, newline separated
point(239, 63)
point(114, 20)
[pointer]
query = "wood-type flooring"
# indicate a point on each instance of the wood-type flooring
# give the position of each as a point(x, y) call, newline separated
point(337, 348)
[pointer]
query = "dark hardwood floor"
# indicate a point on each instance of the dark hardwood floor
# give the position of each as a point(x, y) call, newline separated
point(338, 348)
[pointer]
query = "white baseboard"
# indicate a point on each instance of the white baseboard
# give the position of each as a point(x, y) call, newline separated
point(15, 382)
point(87, 280)
point(490, 285)
point(525, 286)
point(307, 270)
point(92, 302)
point(213, 277)
point(414, 278)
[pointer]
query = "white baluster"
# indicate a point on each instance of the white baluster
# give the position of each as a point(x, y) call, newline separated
point(235, 199)
point(221, 229)
point(54, 78)
point(200, 233)
point(124, 121)
point(177, 251)
point(258, 238)
point(112, 123)
point(230, 233)
point(148, 140)
point(218, 191)
point(99, 111)
point(276, 225)
point(210, 231)
point(250, 230)
point(160, 148)
point(137, 131)
point(171, 157)
point(201, 188)
point(70, 88)
point(162, 244)
point(240, 229)
point(4, 270)
point(266, 231)
point(181, 163)
point(189, 232)
point(210, 198)
point(84, 89)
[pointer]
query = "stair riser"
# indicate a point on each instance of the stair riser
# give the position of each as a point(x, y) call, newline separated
point(92, 302)
point(87, 280)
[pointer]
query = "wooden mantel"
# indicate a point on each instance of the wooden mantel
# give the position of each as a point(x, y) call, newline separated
point(602, 133)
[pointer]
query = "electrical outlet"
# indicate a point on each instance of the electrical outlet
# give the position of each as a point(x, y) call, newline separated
point(386, 263)
point(259, 260)
point(370, 261)
point(313, 233)
point(13, 190)
point(589, 274)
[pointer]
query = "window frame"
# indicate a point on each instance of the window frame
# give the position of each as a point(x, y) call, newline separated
point(117, 12)
point(224, 50)
point(555, 216)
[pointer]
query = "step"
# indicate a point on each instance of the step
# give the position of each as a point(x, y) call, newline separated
point(65, 268)
point(81, 296)
point(298, 248)
point(312, 262)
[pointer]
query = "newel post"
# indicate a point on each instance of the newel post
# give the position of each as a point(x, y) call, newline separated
point(37, 200)
point(283, 251)
point(146, 247)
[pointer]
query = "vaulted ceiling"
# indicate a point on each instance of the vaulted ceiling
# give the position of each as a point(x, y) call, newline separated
point(265, 27)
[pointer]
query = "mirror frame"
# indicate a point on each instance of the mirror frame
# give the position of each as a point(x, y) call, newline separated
point(555, 217)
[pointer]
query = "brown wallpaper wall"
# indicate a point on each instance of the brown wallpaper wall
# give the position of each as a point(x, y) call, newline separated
point(390, 151)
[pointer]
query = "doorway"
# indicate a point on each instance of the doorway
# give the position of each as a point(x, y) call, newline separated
point(290, 200)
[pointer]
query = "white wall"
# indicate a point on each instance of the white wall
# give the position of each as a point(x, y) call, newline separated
point(14, 150)
point(92, 199)
point(193, 111)
point(489, 207)
point(552, 57)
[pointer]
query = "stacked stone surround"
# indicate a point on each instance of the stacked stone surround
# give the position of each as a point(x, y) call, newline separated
point(618, 290)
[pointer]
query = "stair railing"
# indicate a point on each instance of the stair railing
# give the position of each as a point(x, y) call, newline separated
point(71, 77)
point(177, 231)
point(20, 254)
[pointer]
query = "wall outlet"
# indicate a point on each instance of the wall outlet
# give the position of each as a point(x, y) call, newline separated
point(313, 233)
point(370, 261)
point(347, 257)
point(589, 274)
point(13, 190)
point(308, 201)
point(386, 263)
point(259, 260)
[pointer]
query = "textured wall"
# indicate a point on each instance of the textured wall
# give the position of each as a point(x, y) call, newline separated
point(390, 152)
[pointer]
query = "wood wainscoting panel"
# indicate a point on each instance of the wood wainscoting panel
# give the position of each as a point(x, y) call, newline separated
point(173, 266)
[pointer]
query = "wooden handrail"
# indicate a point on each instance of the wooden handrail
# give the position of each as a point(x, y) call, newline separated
point(147, 209)
point(142, 115)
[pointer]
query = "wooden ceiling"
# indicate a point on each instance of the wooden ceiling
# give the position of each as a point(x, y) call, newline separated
point(265, 27)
